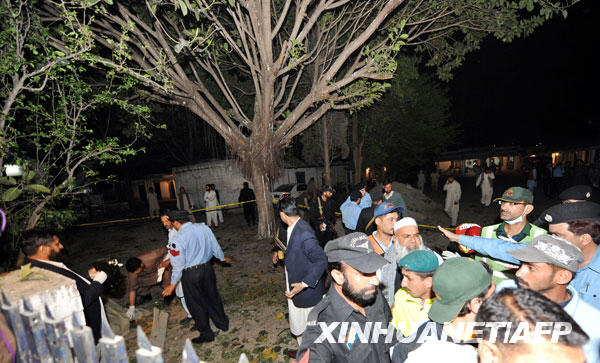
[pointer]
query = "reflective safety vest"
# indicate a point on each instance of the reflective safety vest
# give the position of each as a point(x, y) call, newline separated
point(504, 270)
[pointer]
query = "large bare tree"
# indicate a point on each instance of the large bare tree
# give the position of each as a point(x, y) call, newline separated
point(241, 65)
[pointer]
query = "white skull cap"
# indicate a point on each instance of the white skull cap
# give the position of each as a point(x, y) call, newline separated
point(406, 221)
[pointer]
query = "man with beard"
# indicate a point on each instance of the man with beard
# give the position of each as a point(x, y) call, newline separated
point(42, 251)
point(408, 238)
point(548, 264)
point(382, 240)
point(353, 303)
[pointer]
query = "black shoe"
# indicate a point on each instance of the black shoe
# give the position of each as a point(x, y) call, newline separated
point(203, 339)
point(185, 321)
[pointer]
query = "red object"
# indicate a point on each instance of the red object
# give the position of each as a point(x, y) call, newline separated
point(468, 229)
point(174, 252)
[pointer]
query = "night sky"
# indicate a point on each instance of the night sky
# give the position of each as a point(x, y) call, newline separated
point(542, 88)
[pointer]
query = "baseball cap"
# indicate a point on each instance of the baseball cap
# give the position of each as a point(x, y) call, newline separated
point(455, 282)
point(356, 250)
point(577, 192)
point(385, 208)
point(570, 212)
point(516, 194)
point(550, 249)
point(328, 188)
point(419, 261)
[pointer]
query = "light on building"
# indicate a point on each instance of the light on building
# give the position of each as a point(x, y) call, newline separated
point(367, 172)
point(532, 156)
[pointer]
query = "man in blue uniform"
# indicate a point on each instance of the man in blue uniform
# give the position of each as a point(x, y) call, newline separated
point(192, 248)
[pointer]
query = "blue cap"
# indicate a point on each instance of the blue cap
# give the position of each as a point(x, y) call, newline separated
point(385, 208)
point(419, 261)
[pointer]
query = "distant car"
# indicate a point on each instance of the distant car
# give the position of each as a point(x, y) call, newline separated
point(288, 190)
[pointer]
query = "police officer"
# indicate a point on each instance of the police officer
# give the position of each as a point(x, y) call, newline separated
point(192, 248)
point(578, 223)
point(577, 193)
point(322, 216)
point(354, 299)
point(515, 205)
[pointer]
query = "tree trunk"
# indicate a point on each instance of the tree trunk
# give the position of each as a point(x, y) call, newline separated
point(326, 151)
point(356, 151)
point(262, 190)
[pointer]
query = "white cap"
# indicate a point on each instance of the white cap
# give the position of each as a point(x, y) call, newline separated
point(406, 221)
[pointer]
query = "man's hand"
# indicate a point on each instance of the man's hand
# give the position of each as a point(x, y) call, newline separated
point(226, 259)
point(164, 264)
point(130, 313)
point(275, 258)
point(296, 288)
point(451, 236)
point(168, 290)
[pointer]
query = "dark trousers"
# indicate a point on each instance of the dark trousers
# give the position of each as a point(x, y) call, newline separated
point(250, 214)
point(203, 300)
point(325, 237)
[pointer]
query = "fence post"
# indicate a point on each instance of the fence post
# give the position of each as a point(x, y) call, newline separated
point(112, 347)
point(146, 353)
point(189, 354)
point(58, 341)
point(11, 312)
point(32, 321)
point(83, 342)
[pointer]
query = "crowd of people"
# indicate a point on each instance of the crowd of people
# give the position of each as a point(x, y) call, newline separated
point(512, 291)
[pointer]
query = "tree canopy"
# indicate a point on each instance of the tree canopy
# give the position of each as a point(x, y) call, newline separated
point(242, 65)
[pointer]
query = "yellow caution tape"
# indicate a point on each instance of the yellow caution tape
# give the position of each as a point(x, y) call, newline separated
point(211, 208)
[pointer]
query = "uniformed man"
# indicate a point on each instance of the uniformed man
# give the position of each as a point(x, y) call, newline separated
point(322, 216)
point(578, 223)
point(516, 204)
point(577, 193)
point(354, 301)
point(192, 248)
point(351, 209)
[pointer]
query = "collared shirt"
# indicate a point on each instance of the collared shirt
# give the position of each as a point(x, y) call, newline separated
point(387, 273)
point(194, 244)
point(365, 201)
point(409, 312)
point(290, 229)
point(334, 309)
point(350, 213)
point(586, 281)
point(381, 244)
point(583, 313)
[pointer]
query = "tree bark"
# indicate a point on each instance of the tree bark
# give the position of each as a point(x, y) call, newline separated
point(356, 151)
point(326, 151)
point(262, 190)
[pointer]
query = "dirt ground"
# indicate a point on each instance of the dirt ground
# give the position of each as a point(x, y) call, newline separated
point(251, 287)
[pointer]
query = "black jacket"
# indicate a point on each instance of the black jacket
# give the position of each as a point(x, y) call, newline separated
point(366, 215)
point(90, 295)
point(334, 309)
point(325, 214)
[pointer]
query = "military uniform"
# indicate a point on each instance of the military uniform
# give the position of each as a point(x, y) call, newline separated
point(504, 270)
point(355, 337)
point(333, 308)
point(322, 219)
